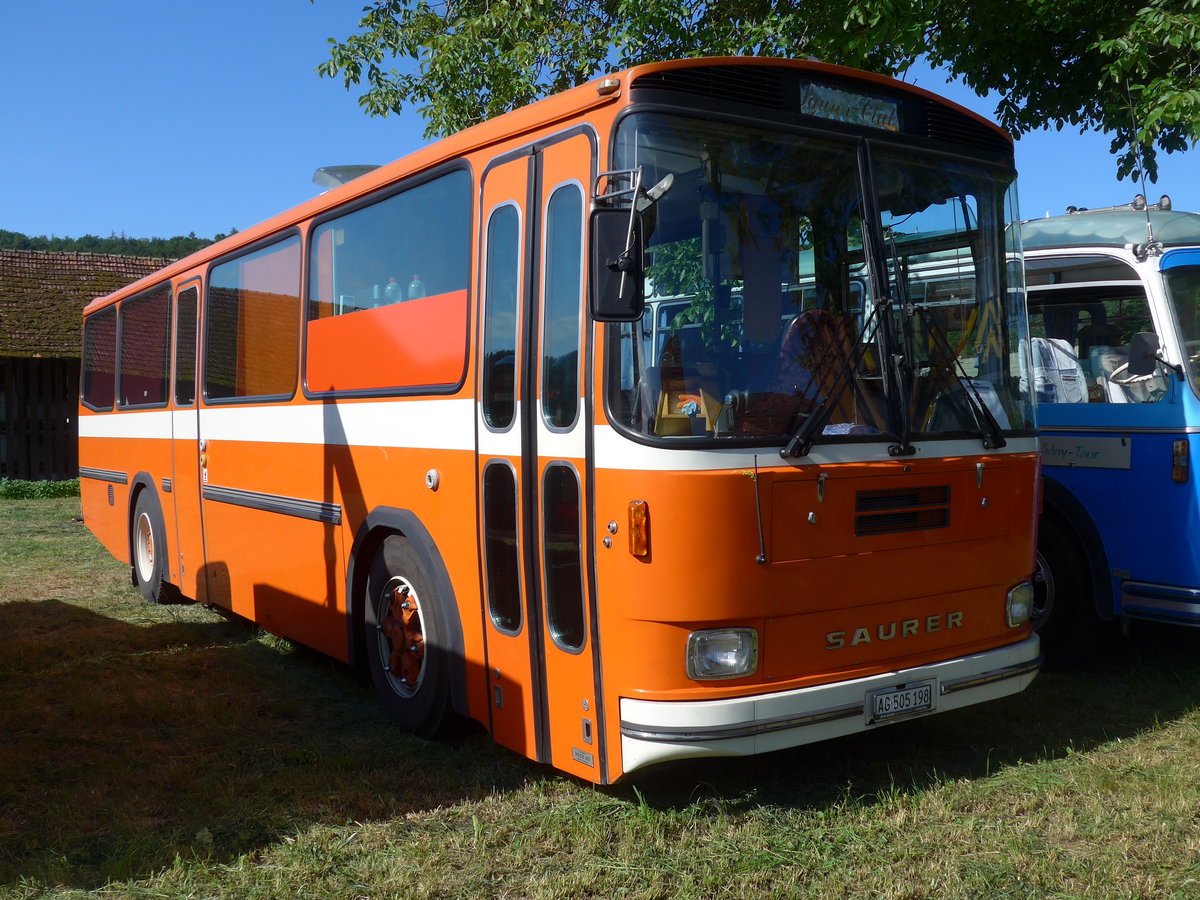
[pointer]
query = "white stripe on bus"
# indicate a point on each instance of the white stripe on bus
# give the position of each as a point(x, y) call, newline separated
point(450, 425)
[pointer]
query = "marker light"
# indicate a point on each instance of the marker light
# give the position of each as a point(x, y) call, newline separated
point(1179, 461)
point(722, 653)
point(639, 528)
point(1019, 606)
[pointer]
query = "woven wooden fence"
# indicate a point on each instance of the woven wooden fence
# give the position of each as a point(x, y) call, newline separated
point(39, 431)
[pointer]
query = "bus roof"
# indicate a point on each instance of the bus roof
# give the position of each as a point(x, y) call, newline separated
point(1110, 227)
point(600, 91)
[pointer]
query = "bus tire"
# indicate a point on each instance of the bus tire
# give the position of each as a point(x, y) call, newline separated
point(1063, 616)
point(148, 546)
point(407, 650)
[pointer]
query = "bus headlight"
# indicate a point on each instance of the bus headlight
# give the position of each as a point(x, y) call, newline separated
point(722, 653)
point(1019, 606)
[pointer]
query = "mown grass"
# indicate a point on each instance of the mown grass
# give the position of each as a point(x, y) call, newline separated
point(169, 752)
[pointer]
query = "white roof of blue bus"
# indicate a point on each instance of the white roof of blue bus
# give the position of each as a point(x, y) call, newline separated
point(1110, 227)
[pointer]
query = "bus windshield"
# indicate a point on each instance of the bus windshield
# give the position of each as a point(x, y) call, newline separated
point(795, 284)
point(1183, 288)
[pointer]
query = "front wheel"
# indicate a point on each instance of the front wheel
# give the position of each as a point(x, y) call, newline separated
point(1063, 613)
point(406, 640)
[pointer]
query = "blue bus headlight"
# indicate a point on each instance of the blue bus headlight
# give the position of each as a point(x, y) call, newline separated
point(722, 653)
point(1019, 606)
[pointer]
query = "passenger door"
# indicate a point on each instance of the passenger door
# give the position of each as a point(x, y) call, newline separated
point(188, 537)
point(532, 421)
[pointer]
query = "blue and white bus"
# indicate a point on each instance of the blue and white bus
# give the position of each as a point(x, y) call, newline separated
point(1114, 308)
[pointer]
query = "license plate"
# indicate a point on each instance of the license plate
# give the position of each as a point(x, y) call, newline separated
point(906, 700)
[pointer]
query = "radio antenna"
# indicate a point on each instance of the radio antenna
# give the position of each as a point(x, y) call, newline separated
point(1139, 150)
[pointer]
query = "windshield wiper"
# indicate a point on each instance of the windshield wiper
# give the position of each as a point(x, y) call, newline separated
point(989, 429)
point(802, 440)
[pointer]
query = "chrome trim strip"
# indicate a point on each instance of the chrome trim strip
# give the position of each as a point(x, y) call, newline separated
point(1161, 603)
point(972, 681)
point(1166, 593)
point(1165, 615)
point(724, 732)
point(1117, 432)
point(315, 510)
point(166, 485)
point(104, 475)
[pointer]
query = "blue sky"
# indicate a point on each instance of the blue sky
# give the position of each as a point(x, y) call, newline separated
point(164, 118)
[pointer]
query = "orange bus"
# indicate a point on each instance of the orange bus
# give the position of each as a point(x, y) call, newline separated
point(630, 425)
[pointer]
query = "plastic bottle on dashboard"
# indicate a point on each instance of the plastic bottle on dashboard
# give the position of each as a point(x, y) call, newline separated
point(392, 291)
point(416, 288)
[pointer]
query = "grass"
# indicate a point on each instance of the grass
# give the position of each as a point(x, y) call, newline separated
point(169, 752)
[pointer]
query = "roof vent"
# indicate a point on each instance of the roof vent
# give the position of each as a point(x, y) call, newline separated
point(330, 177)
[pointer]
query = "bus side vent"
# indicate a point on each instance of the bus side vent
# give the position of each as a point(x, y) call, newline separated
point(909, 509)
point(942, 124)
point(756, 85)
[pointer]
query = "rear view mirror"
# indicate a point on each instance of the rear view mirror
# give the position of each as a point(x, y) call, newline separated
point(1143, 353)
point(617, 282)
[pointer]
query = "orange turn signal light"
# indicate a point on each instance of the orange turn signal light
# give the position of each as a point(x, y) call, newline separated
point(639, 528)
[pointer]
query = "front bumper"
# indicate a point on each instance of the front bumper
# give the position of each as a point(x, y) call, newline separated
point(654, 731)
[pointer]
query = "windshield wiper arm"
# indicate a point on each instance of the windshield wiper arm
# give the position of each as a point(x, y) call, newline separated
point(901, 362)
point(989, 429)
point(802, 440)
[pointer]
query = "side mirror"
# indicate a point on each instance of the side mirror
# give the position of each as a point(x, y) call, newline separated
point(617, 271)
point(1143, 353)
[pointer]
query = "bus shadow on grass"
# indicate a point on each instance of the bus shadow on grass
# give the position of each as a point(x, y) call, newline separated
point(1131, 686)
point(123, 746)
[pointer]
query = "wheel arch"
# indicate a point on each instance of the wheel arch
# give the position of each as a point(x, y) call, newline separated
point(380, 524)
point(1072, 516)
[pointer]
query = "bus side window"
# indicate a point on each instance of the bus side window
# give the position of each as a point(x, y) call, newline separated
point(405, 246)
point(252, 345)
point(501, 317)
point(145, 348)
point(563, 292)
point(185, 347)
point(387, 291)
point(100, 359)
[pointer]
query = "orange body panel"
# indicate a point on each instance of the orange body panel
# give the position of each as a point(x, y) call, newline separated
point(704, 539)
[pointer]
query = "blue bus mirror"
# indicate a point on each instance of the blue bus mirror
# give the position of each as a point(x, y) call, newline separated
point(1143, 353)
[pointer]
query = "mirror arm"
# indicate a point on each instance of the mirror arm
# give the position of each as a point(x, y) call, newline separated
point(1174, 367)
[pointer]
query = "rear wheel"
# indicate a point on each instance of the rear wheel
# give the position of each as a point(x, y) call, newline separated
point(149, 545)
point(406, 640)
point(1063, 613)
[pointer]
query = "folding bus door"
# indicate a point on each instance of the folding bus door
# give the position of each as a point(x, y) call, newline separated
point(187, 537)
point(532, 426)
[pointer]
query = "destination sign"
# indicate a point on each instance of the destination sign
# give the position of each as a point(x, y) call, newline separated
point(849, 107)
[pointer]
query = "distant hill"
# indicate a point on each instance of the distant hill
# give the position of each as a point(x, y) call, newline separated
point(120, 244)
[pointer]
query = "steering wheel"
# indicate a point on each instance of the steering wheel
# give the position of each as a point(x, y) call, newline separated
point(1114, 378)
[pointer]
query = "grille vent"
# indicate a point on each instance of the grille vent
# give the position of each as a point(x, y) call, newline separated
point(757, 85)
point(942, 124)
point(892, 512)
